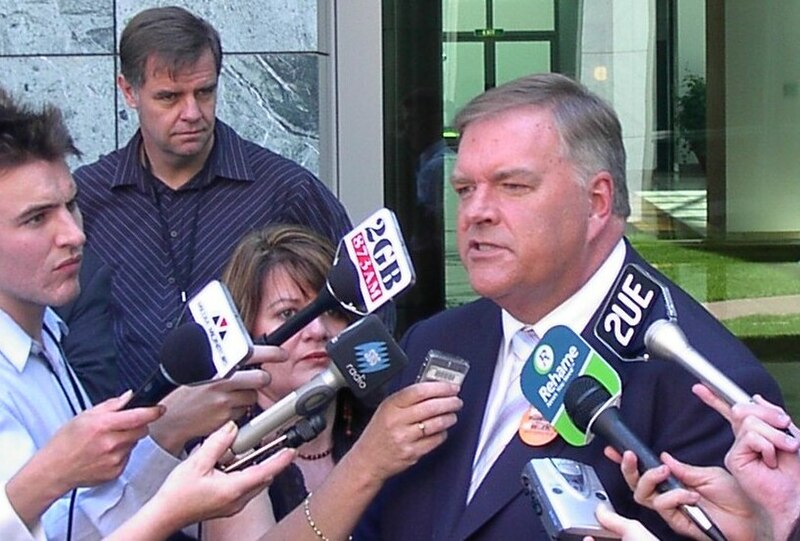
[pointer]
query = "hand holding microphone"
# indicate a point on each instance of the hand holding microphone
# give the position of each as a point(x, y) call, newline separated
point(592, 409)
point(364, 357)
point(712, 488)
point(184, 358)
point(577, 391)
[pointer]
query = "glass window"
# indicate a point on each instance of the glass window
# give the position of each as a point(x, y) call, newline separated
point(515, 59)
point(524, 14)
point(708, 95)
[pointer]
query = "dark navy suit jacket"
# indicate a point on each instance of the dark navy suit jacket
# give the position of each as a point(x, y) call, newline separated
point(428, 500)
point(89, 346)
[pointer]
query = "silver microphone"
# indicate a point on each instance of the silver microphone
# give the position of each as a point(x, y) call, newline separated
point(665, 340)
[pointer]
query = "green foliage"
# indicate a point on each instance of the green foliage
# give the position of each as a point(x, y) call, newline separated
point(692, 105)
point(691, 116)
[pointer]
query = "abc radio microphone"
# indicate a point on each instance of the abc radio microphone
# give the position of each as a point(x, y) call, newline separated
point(371, 267)
point(185, 358)
point(363, 357)
point(577, 391)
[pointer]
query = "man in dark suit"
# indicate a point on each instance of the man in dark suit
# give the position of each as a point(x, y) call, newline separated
point(89, 346)
point(540, 177)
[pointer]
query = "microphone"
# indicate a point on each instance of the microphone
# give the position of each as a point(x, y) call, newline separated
point(371, 266)
point(184, 358)
point(305, 430)
point(593, 410)
point(364, 356)
point(636, 300)
point(557, 360)
point(665, 340)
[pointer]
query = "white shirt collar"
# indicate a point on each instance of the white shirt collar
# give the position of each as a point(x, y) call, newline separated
point(16, 343)
point(576, 311)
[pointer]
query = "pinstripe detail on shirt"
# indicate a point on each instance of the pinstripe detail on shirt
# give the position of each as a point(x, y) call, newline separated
point(242, 187)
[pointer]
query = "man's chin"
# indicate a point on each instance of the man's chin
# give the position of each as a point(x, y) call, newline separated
point(66, 295)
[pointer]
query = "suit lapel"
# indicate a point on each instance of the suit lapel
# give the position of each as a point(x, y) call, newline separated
point(453, 475)
point(502, 484)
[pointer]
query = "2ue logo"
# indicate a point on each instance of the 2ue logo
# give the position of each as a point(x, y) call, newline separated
point(222, 325)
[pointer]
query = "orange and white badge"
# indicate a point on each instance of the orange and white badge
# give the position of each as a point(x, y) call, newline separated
point(534, 430)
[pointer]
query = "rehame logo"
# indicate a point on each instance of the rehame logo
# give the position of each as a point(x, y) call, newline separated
point(558, 377)
point(543, 359)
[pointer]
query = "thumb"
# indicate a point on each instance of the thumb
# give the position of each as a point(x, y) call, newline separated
point(114, 404)
point(215, 446)
point(689, 475)
point(609, 519)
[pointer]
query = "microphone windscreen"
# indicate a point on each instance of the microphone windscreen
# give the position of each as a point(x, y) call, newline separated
point(583, 398)
point(186, 354)
point(342, 282)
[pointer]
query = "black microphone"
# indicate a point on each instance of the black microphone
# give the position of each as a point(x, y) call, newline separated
point(371, 267)
point(185, 358)
point(364, 356)
point(592, 409)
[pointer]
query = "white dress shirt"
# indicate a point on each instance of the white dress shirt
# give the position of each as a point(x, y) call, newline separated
point(575, 313)
point(33, 407)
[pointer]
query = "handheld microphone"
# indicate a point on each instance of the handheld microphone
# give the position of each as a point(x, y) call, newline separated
point(371, 266)
point(665, 340)
point(305, 430)
point(363, 357)
point(557, 360)
point(593, 409)
point(185, 358)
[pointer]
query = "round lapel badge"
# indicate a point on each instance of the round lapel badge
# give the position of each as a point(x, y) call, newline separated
point(534, 430)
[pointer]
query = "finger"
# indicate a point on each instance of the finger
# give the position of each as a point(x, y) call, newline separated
point(611, 520)
point(418, 392)
point(711, 400)
point(767, 413)
point(244, 379)
point(629, 469)
point(746, 447)
point(435, 425)
point(131, 419)
point(612, 454)
point(114, 404)
point(434, 407)
point(670, 501)
point(266, 471)
point(241, 399)
point(268, 355)
point(215, 445)
point(776, 437)
point(647, 487)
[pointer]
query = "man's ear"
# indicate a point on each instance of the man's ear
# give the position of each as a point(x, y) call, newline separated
point(601, 200)
point(128, 92)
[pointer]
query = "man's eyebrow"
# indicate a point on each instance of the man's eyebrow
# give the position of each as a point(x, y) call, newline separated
point(34, 209)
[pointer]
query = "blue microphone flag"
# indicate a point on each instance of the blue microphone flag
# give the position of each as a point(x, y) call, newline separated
point(559, 358)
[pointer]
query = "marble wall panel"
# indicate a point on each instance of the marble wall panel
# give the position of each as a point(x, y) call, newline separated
point(271, 99)
point(64, 52)
point(37, 27)
point(260, 26)
point(81, 86)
